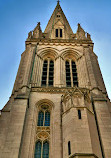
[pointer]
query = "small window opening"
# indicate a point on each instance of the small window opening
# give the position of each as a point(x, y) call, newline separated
point(79, 114)
point(56, 32)
point(58, 15)
point(69, 148)
point(60, 32)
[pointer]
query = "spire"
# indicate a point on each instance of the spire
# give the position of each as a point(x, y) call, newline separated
point(58, 20)
point(58, 2)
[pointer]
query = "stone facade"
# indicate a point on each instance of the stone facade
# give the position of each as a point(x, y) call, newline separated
point(90, 133)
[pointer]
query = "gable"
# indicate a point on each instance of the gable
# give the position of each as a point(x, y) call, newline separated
point(58, 19)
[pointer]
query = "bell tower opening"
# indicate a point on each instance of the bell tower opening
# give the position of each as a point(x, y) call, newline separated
point(58, 33)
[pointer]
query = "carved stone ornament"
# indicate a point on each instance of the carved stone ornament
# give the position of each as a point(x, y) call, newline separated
point(59, 90)
point(30, 35)
point(43, 129)
point(76, 98)
point(43, 135)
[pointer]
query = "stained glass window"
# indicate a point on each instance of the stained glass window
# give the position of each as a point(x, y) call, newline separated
point(40, 118)
point(38, 150)
point(45, 150)
point(44, 118)
point(47, 118)
point(41, 150)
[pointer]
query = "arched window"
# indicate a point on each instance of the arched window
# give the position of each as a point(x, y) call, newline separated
point(41, 150)
point(47, 118)
point(40, 118)
point(44, 117)
point(47, 73)
point(71, 74)
point(38, 146)
point(45, 150)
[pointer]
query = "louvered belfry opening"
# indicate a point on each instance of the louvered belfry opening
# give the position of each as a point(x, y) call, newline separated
point(44, 73)
point(48, 73)
point(71, 74)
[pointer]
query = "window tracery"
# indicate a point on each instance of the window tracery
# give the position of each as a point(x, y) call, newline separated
point(44, 116)
point(41, 149)
point(43, 130)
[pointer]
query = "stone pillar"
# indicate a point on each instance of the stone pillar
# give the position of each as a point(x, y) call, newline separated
point(57, 72)
point(82, 72)
point(89, 65)
point(37, 71)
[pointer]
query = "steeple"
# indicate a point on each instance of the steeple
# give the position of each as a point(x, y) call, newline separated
point(58, 21)
point(59, 106)
point(58, 2)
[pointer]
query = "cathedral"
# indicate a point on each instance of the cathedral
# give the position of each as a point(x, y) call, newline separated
point(59, 107)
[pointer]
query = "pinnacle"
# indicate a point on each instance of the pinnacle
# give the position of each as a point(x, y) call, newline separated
point(58, 1)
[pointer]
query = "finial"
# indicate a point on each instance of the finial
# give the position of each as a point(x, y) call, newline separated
point(58, 1)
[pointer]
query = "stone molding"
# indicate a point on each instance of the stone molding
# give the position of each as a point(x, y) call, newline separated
point(62, 90)
point(60, 41)
point(83, 155)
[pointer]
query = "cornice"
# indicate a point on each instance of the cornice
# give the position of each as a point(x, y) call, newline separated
point(59, 41)
point(57, 89)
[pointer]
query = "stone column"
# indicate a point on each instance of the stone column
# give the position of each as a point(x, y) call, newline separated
point(89, 65)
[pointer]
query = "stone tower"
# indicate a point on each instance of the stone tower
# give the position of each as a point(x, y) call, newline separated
point(59, 106)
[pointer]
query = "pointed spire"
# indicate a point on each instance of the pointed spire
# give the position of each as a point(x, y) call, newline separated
point(58, 2)
point(80, 34)
point(57, 20)
point(37, 31)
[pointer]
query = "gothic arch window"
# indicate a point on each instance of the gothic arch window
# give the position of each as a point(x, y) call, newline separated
point(40, 118)
point(48, 73)
point(45, 150)
point(44, 116)
point(41, 149)
point(38, 147)
point(71, 73)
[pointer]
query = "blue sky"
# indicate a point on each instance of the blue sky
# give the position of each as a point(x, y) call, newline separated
point(18, 17)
